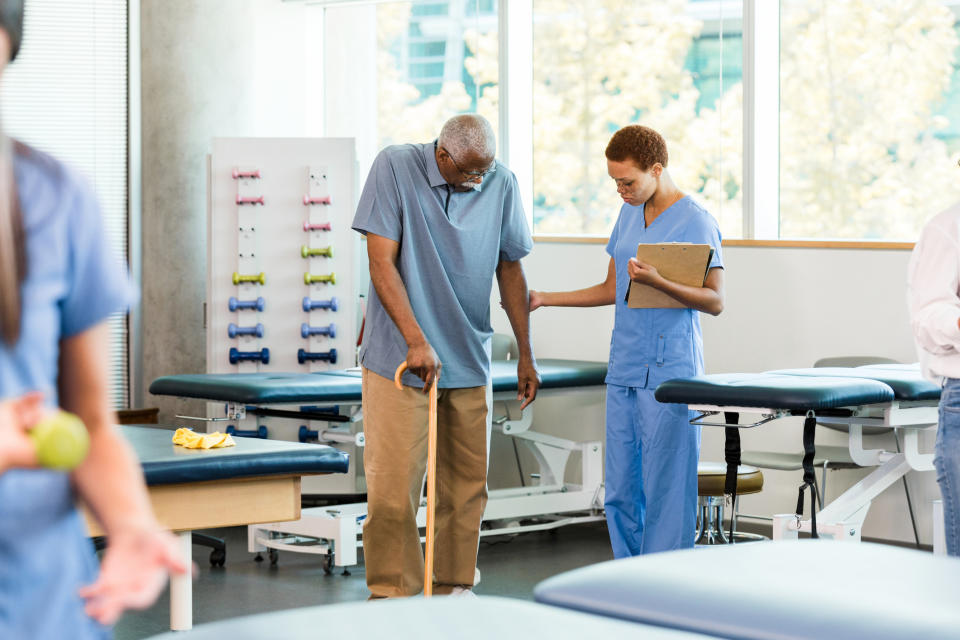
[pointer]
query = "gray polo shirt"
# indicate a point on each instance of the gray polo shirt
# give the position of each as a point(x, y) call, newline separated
point(450, 245)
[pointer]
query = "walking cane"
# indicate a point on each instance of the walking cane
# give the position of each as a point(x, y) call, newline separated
point(431, 477)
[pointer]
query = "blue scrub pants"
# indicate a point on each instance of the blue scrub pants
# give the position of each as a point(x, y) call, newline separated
point(947, 462)
point(651, 473)
point(45, 557)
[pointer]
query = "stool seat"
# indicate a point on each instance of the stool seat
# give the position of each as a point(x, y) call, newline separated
point(711, 477)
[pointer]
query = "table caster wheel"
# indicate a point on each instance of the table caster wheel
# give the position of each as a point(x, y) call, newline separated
point(328, 564)
point(274, 556)
point(218, 557)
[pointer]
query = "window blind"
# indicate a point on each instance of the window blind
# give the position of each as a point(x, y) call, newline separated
point(66, 94)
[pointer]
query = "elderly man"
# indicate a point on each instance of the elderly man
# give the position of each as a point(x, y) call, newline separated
point(440, 219)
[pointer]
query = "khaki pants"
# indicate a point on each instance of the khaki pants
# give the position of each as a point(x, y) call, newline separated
point(395, 459)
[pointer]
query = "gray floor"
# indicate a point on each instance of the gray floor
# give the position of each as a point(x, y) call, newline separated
point(510, 566)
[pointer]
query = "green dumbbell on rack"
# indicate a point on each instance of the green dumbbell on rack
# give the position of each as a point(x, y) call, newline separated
point(330, 278)
point(61, 441)
point(256, 277)
point(306, 251)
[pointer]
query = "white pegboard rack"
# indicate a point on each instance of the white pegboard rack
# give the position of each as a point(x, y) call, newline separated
point(281, 288)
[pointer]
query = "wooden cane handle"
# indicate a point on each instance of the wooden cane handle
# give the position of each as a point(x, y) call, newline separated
point(399, 374)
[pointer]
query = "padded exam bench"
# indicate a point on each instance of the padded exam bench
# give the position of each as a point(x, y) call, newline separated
point(870, 396)
point(783, 590)
point(165, 463)
point(251, 482)
point(437, 618)
point(791, 393)
point(344, 386)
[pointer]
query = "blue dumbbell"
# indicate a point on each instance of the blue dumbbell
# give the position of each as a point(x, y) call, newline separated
point(330, 330)
point(307, 434)
point(259, 432)
point(237, 356)
point(332, 304)
point(250, 305)
point(233, 330)
point(304, 356)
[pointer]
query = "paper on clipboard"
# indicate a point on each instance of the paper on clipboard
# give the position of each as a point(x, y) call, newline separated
point(682, 262)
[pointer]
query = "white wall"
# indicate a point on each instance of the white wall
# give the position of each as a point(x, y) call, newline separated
point(785, 307)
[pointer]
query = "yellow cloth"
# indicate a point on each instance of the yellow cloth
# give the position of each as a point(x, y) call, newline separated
point(191, 440)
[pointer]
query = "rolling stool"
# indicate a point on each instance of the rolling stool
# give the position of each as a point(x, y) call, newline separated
point(710, 500)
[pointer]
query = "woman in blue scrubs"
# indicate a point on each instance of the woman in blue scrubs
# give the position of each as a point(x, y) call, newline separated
point(652, 450)
point(58, 284)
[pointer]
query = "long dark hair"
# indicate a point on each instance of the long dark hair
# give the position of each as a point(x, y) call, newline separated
point(13, 255)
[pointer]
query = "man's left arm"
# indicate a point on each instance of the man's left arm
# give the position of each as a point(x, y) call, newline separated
point(515, 297)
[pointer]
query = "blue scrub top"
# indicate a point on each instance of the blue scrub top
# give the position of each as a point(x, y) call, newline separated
point(73, 282)
point(650, 346)
point(450, 245)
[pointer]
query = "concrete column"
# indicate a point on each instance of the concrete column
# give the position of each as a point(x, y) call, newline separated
point(210, 68)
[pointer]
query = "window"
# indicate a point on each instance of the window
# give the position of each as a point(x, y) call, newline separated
point(66, 94)
point(869, 128)
point(598, 66)
point(434, 60)
point(788, 119)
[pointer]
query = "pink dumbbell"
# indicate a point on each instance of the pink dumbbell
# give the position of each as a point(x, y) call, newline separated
point(308, 200)
point(316, 227)
point(254, 173)
point(257, 200)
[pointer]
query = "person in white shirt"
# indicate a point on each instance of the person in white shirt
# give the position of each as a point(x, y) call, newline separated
point(933, 289)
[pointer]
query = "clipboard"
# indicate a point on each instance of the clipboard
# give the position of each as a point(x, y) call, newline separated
point(682, 262)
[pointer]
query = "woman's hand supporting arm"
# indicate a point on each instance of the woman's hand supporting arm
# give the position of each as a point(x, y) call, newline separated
point(596, 296)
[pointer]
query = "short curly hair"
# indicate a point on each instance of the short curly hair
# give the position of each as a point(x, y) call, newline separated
point(641, 144)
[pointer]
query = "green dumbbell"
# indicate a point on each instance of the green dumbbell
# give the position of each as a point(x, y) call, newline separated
point(61, 441)
point(306, 251)
point(256, 277)
point(330, 278)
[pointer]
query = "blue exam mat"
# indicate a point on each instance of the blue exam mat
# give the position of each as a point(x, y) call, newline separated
point(344, 386)
point(774, 590)
point(774, 391)
point(907, 382)
point(479, 618)
point(166, 463)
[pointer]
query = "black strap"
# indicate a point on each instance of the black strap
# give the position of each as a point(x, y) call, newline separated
point(731, 455)
point(809, 478)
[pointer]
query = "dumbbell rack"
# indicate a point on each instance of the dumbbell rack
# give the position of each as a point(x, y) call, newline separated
point(278, 207)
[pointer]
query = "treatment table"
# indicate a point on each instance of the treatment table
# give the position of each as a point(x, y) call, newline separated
point(254, 481)
point(782, 591)
point(335, 531)
point(871, 396)
point(786, 590)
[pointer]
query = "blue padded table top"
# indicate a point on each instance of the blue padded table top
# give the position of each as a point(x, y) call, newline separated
point(907, 381)
point(261, 388)
point(166, 463)
point(344, 386)
point(479, 618)
point(783, 590)
point(772, 391)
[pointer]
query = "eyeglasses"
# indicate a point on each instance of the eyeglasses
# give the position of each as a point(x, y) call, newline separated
point(473, 175)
